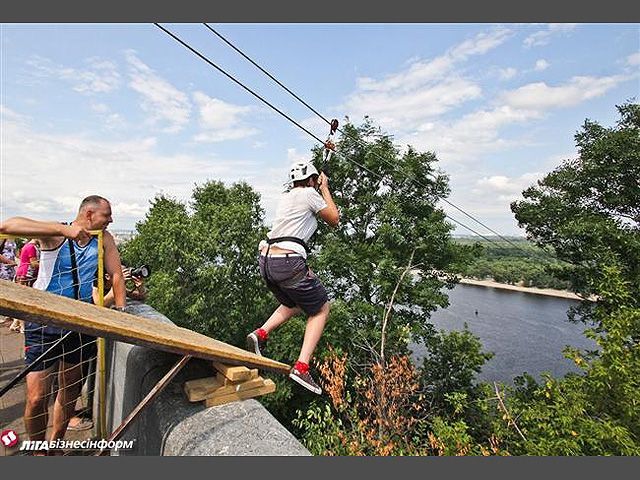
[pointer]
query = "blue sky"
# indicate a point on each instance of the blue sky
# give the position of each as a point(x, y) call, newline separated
point(124, 111)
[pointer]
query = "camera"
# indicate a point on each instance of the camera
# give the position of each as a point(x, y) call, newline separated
point(142, 271)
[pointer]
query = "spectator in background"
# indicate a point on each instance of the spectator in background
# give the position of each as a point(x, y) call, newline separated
point(27, 272)
point(134, 287)
point(7, 264)
point(7, 259)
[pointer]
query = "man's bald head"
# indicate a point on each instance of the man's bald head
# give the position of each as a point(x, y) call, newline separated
point(92, 201)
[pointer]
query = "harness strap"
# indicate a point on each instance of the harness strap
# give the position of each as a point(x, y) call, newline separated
point(297, 240)
point(74, 270)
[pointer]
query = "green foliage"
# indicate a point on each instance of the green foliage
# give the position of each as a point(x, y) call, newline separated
point(514, 262)
point(385, 219)
point(588, 209)
point(448, 370)
point(203, 259)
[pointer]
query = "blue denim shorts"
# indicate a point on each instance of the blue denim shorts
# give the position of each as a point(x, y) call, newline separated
point(76, 348)
point(293, 283)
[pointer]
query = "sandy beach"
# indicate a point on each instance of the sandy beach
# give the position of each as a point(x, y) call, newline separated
point(538, 291)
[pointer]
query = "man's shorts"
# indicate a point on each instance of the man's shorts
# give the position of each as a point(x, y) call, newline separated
point(76, 348)
point(293, 283)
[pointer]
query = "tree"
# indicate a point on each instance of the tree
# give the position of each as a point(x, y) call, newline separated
point(588, 209)
point(387, 201)
point(203, 260)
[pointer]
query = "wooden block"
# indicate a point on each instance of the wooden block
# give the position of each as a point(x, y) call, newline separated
point(235, 374)
point(225, 381)
point(204, 388)
point(238, 387)
point(199, 389)
point(268, 387)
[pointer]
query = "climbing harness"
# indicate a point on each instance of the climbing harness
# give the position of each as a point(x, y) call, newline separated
point(296, 278)
point(297, 240)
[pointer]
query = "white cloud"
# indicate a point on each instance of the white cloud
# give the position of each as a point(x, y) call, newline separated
point(466, 138)
point(6, 114)
point(541, 65)
point(99, 76)
point(220, 120)
point(633, 60)
point(507, 73)
point(505, 188)
point(110, 120)
point(539, 96)
point(294, 156)
point(100, 108)
point(477, 133)
point(163, 102)
point(543, 37)
point(403, 110)
point(424, 89)
point(128, 172)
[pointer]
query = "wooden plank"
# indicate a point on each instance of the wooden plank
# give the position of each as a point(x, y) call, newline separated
point(198, 390)
point(268, 387)
point(235, 374)
point(204, 388)
point(240, 387)
point(225, 381)
point(32, 305)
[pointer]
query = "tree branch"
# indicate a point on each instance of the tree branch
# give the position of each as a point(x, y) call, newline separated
point(510, 419)
point(385, 320)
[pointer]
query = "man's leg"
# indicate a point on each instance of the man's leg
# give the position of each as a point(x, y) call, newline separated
point(69, 384)
point(35, 411)
point(313, 332)
point(279, 316)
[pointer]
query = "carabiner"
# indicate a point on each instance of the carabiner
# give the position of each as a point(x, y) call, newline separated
point(329, 147)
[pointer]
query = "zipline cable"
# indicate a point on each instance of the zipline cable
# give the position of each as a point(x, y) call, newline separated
point(297, 97)
point(263, 100)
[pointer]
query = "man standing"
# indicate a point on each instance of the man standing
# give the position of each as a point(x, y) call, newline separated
point(68, 266)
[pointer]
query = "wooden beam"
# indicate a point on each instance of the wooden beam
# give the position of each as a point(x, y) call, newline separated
point(225, 381)
point(203, 388)
point(235, 374)
point(32, 305)
point(268, 387)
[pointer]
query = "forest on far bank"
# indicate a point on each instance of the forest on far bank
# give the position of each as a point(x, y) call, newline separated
point(515, 261)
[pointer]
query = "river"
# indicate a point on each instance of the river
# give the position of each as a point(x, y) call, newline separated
point(526, 332)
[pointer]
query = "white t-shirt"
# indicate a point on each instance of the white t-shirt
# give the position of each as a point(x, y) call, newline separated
point(296, 217)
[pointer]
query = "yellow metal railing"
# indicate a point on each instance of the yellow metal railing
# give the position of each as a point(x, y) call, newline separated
point(101, 429)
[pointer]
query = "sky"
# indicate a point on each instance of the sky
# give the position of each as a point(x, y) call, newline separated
point(124, 111)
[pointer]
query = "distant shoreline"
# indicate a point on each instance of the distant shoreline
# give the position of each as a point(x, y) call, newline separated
point(537, 291)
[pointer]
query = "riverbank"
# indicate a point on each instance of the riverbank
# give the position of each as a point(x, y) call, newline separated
point(517, 288)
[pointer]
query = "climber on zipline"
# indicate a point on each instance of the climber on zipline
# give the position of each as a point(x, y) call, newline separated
point(283, 264)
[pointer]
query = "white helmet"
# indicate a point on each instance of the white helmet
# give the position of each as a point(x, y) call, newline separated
point(302, 171)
